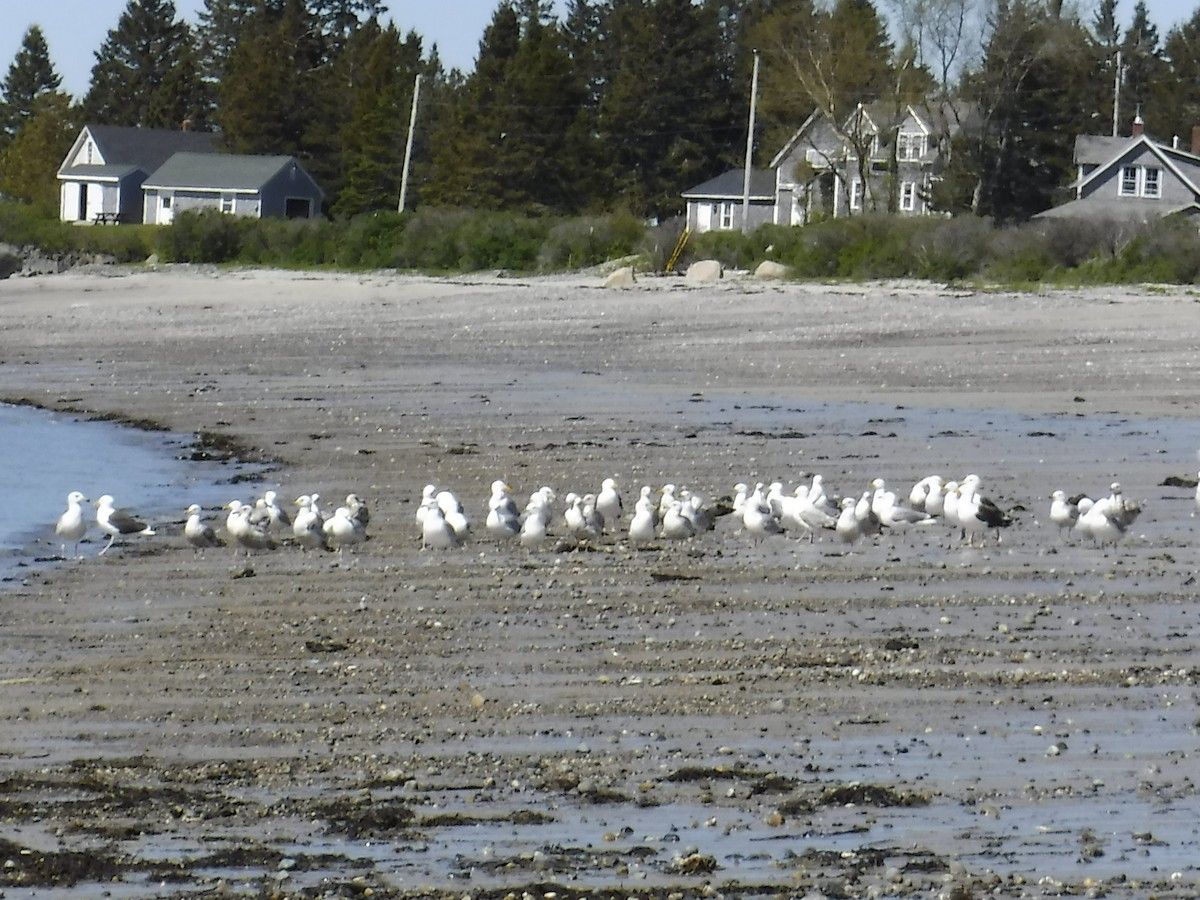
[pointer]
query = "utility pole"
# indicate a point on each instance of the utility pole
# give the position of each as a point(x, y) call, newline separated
point(412, 126)
point(1117, 99)
point(749, 148)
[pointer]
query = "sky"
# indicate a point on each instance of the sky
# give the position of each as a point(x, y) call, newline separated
point(75, 29)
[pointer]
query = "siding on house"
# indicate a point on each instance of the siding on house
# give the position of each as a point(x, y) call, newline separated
point(104, 170)
point(255, 186)
point(717, 204)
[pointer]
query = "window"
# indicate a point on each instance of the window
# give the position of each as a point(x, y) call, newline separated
point(1129, 180)
point(1150, 183)
point(908, 196)
point(726, 215)
point(226, 204)
point(856, 195)
point(910, 145)
point(166, 202)
point(1140, 181)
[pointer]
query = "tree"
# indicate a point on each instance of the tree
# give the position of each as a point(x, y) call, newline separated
point(1175, 96)
point(374, 137)
point(30, 77)
point(669, 117)
point(1142, 67)
point(146, 72)
point(1038, 87)
point(29, 164)
point(270, 95)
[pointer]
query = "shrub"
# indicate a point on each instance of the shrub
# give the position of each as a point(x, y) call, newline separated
point(588, 241)
point(952, 249)
point(209, 236)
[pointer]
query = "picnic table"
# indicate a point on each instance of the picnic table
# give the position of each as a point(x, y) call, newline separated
point(107, 218)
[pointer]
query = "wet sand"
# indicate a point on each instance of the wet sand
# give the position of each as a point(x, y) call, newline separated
point(720, 718)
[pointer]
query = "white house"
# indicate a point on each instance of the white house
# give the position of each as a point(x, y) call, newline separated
point(100, 180)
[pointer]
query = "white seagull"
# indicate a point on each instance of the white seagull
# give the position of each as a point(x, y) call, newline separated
point(197, 532)
point(117, 522)
point(71, 525)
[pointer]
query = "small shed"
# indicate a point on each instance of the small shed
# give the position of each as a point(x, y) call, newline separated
point(716, 205)
point(256, 186)
point(100, 180)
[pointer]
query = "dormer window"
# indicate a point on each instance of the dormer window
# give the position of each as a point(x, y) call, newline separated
point(89, 150)
point(1140, 181)
point(910, 145)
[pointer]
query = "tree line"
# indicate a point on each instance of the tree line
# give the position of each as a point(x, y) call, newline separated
point(619, 105)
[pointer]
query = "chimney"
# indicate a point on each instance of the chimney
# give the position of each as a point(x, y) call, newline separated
point(1196, 140)
point(1139, 127)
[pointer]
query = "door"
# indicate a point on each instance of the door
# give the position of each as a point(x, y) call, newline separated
point(82, 217)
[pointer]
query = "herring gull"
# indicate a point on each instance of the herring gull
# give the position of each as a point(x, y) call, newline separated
point(117, 521)
point(71, 525)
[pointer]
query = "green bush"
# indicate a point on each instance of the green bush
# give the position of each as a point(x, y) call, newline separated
point(588, 241)
point(951, 250)
point(209, 236)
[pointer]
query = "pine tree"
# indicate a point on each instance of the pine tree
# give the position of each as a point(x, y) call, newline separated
point(30, 77)
point(1142, 67)
point(1038, 88)
point(145, 72)
point(219, 24)
point(29, 164)
point(668, 118)
point(1175, 95)
point(375, 136)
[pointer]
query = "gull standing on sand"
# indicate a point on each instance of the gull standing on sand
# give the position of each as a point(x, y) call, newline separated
point(608, 501)
point(117, 522)
point(71, 525)
point(343, 530)
point(197, 532)
point(307, 527)
point(436, 532)
point(503, 520)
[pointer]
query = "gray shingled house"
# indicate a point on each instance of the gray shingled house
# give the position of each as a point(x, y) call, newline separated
point(255, 186)
point(716, 205)
point(101, 177)
point(1132, 179)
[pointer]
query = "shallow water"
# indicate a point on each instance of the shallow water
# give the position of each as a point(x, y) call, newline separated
point(47, 455)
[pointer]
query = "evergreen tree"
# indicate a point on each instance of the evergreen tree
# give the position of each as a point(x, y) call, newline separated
point(375, 136)
point(668, 117)
point(270, 94)
point(1104, 25)
point(1175, 96)
point(219, 24)
point(1037, 89)
point(145, 72)
point(29, 164)
point(337, 20)
point(1142, 67)
point(30, 77)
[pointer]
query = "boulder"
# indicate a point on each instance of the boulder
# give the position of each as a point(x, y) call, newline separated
point(768, 270)
point(621, 278)
point(705, 271)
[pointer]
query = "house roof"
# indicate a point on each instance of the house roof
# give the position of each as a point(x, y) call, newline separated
point(1130, 209)
point(219, 172)
point(114, 172)
point(1172, 158)
point(731, 185)
point(147, 148)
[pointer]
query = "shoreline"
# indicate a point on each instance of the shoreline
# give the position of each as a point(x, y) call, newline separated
point(874, 718)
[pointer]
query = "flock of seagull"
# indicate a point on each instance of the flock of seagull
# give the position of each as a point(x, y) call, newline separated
point(262, 525)
point(669, 514)
point(677, 514)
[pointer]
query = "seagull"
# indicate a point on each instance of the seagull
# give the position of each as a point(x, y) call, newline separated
point(246, 533)
point(503, 521)
point(436, 532)
point(976, 514)
point(117, 521)
point(1064, 512)
point(71, 525)
point(428, 493)
point(675, 525)
point(358, 509)
point(643, 525)
point(847, 527)
point(608, 501)
point(452, 512)
point(307, 527)
point(343, 530)
point(275, 518)
point(197, 532)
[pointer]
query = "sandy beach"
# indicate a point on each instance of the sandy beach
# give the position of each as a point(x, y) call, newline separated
point(908, 716)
